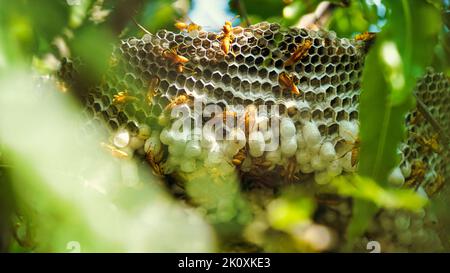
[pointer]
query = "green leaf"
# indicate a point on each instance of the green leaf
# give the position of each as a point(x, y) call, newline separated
point(402, 51)
point(287, 213)
point(78, 13)
point(364, 188)
point(346, 21)
point(93, 46)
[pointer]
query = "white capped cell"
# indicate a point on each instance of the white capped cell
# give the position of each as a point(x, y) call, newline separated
point(144, 131)
point(177, 148)
point(121, 139)
point(334, 168)
point(230, 148)
point(287, 128)
point(136, 143)
point(306, 168)
point(406, 169)
point(274, 156)
point(348, 130)
point(327, 152)
point(192, 149)
point(214, 156)
point(237, 137)
point(166, 136)
point(322, 178)
point(262, 123)
point(208, 139)
point(188, 165)
point(311, 133)
point(396, 178)
point(314, 149)
point(303, 157)
point(317, 163)
point(301, 143)
point(302, 104)
point(171, 164)
point(256, 144)
point(289, 146)
point(152, 144)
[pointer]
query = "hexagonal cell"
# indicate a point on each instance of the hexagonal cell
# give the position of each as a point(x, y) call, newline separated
point(317, 114)
point(243, 70)
point(354, 115)
point(319, 69)
point(239, 59)
point(308, 68)
point(245, 85)
point(279, 64)
point(330, 69)
point(315, 82)
point(216, 76)
point(346, 102)
point(252, 71)
point(342, 115)
point(323, 129)
point(336, 102)
point(267, 87)
point(273, 76)
point(209, 87)
point(249, 60)
point(314, 59)
point(232, 69)
point(309, 96)
point(226, 79)
point(334, 80)
point(172, 75)
point(235, 82)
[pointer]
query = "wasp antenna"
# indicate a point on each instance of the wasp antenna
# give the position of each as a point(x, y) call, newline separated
point(141, 27)
point(190, 69)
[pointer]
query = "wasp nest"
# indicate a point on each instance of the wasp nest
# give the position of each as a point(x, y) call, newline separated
point(309, 82)
point(426, 154)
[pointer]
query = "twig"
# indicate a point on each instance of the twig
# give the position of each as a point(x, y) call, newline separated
point(121, 14)
point(321, 14)
point(141, 27)
point(242, 11)
point(424, 110)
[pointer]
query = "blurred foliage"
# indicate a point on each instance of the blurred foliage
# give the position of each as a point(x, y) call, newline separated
point(392, 198)
point(217, 192)
point(69, 190)
point(51, 208)
point(401, 52)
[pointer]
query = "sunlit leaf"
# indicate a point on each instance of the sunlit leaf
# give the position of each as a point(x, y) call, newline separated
point(286, 213)
point(401, 53)
point(367, 189)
